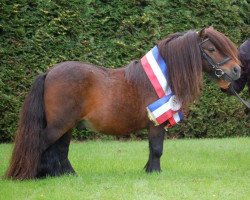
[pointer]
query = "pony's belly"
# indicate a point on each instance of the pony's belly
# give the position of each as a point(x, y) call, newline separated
point(115, 125)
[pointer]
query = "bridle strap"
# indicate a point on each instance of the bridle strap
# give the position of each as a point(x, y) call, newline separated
point(224, 61)
point(219, 73)
point(246, 103)
point(232, 90)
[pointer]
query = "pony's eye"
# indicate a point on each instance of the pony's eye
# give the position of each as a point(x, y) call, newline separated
point(211, 49)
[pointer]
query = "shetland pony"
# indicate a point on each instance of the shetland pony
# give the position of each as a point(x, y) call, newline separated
point(112, 101)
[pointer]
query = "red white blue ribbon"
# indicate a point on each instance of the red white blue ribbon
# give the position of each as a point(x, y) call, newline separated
point(167, 107)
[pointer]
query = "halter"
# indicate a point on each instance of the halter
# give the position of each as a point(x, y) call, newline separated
point(219, 73)
point(215, 66)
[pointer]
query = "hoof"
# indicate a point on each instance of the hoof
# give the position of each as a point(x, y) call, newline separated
point(152, 167)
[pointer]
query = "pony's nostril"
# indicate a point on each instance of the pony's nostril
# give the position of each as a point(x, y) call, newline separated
point(236, 70)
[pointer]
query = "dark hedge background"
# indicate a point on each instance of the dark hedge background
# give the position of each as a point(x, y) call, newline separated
point(34, 35)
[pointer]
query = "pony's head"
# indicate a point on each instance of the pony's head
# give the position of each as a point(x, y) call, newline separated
point(188, 54)
point(220, 57)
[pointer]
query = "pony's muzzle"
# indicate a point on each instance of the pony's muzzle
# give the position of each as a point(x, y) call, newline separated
point(234, 73)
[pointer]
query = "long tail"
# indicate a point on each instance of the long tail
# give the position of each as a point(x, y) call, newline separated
point(26, 153)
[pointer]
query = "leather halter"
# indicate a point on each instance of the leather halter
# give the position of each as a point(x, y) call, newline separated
point(215, 66)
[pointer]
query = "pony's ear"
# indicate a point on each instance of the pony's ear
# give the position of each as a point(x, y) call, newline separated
point(201, 33)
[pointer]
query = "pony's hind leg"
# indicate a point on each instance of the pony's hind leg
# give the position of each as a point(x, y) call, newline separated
point(54, 160)
point(156, 138)
point(63, 146)
point(63, 102)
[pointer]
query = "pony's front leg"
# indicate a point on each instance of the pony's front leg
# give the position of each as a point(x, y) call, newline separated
point(156, 138)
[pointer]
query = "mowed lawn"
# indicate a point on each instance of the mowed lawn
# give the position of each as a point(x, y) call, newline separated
point(191, 169)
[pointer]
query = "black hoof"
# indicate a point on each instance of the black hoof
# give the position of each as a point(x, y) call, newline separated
point(152, 167)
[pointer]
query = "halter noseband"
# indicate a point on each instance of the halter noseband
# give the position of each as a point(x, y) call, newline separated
point(215, 66)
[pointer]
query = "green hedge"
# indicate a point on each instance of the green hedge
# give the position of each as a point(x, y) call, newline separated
point(34, 35)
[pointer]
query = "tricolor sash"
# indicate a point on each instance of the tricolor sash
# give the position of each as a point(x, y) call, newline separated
point(167, 107)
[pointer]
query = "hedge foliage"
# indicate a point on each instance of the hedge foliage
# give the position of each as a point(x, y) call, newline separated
point(35, 35)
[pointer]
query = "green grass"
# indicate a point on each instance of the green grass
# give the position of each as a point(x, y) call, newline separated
point(192, 169)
